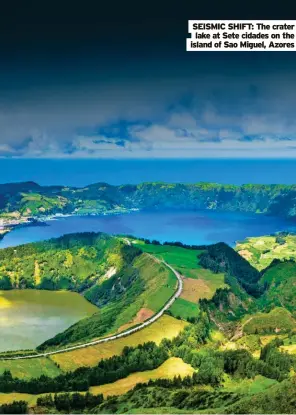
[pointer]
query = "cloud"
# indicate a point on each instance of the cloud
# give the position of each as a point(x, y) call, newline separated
point(182, 118)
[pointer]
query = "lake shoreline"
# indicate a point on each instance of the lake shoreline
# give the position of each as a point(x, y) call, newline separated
point(7, 226)
point(192, 227)
point(37, 315)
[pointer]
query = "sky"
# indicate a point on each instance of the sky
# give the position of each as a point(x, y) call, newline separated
point(115, 81)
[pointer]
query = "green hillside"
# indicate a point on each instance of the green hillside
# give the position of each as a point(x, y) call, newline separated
point(148, 286)
point(236, 352)
point(279, 281)
point(278, 320)
point(28, 199)
point(261, 251)
point(198, 282)
point(75, 262)
point(128, 286)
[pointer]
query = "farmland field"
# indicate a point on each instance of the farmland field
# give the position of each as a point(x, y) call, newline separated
point(186, 262)
point(184, 309)
point(262, 250)
point(30, 368)
point(174, 366)
point(165, 327)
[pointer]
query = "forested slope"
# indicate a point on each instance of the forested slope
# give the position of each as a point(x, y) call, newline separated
point(240, 346)
point(127, 285)
point(28, 199)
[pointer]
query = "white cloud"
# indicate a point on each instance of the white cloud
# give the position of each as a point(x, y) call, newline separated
point(220, 121)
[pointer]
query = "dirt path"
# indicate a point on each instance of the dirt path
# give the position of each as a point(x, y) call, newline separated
point(239, 331)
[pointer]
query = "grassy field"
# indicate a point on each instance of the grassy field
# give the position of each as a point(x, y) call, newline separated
point(177, 256)
point(193, 290)
point(277, 273)
point(291, 349)
point(248, 386)
point(161, 410)
point(165, 327)
point(198, 282)
point(10, 397)
point(174, 366)
point(30, 368)
point(184, 309)
point(160, 285)
point(186, 261)
point(278, 320)
point(162, 292)
point(261, 251)
point(147, 285)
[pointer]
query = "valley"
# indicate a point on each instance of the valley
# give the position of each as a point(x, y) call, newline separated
point(172, 327)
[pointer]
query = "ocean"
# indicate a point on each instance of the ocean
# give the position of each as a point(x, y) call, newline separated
point(81, 172)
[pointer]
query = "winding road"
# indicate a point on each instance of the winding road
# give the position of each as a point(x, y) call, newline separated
point(119, 335)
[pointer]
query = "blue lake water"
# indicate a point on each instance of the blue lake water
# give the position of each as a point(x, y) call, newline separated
point(191, 227)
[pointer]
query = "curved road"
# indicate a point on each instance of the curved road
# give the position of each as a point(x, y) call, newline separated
point(116, 336)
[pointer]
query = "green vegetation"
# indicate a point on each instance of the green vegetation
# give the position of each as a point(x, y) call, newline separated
point(184, 309)
point(30, 199)
point(148, 285)
point(68, 402)
point(251, 342)
point(221, 258)
point(166, 327)
point(240, 377)
point(278, 320)
point(16, 407)
point(223, 374)
point(34, 204)
point(147, 356)
point(198, 282)
point(186, 260)
point(180, 258)
point(74, 262)
point(27, 368)
point(279, 281)
point(174, 366)
point(127, 285)
point(248, 386)
point(263, 250)
point(235, 353)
